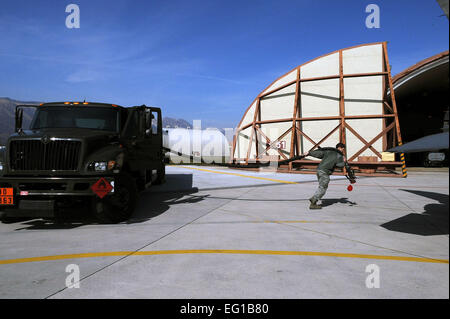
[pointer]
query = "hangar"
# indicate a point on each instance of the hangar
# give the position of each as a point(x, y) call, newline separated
point(421, 93)
point(338, 97)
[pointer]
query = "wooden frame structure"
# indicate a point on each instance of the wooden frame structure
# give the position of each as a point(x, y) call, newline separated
point(262, 146)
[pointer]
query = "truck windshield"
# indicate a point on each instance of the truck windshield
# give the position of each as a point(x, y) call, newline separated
point(96, 118)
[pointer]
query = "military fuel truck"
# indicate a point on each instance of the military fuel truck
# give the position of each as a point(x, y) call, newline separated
point(77, 153)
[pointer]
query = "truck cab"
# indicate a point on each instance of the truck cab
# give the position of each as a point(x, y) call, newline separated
point(99, 153)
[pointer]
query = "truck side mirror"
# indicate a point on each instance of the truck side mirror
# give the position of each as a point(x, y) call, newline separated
point(148, 123)
point(19, 119)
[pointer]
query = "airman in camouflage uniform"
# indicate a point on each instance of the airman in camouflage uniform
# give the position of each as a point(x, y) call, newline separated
point(331, 158)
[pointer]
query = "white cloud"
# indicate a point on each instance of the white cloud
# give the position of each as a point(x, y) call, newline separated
point(83, 76)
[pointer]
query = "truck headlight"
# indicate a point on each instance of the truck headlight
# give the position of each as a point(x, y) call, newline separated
point(1, 167)
point(102, 166)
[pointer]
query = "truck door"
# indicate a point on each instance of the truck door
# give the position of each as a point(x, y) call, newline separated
point(132, 137)
point(143, 133)
point(153, 137)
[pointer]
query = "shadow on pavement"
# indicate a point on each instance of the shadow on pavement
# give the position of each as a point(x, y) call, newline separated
point(151, 203)
point(330, 201)
point(433, 221)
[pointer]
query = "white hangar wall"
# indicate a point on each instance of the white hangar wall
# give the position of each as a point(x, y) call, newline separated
point(337, 97)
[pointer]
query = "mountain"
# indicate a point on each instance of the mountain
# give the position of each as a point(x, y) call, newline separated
point(170, 122)
point(7, 109)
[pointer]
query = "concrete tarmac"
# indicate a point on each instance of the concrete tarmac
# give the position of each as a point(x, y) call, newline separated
point(214, 232)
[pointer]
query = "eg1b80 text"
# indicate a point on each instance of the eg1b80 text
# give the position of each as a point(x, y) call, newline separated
point(247, 308)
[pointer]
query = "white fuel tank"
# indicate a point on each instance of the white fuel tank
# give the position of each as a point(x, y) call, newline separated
point(196, 146)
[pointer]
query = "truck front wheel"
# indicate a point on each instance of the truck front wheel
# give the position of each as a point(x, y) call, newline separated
point(119, 206)
point(161, 176)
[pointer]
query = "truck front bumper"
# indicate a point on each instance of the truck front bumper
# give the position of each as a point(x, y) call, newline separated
point(38, 196)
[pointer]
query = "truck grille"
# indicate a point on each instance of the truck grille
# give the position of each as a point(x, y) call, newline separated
point(34, 155)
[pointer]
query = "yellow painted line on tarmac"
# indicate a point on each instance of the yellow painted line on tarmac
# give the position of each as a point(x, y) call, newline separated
point(311, 181)
point(220, 251)
point(240, 175)
point(62, 257)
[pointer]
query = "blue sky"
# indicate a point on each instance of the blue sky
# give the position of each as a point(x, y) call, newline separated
point(203, 59)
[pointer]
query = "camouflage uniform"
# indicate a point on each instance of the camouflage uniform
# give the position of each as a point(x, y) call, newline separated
point(331, 158)
point(323, 179)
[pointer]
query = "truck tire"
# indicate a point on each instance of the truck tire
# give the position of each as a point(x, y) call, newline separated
point(119, 206)
point(161, 176)
point(10, 220)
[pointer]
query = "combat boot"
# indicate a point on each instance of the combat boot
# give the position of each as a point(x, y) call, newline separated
point(314, 204)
